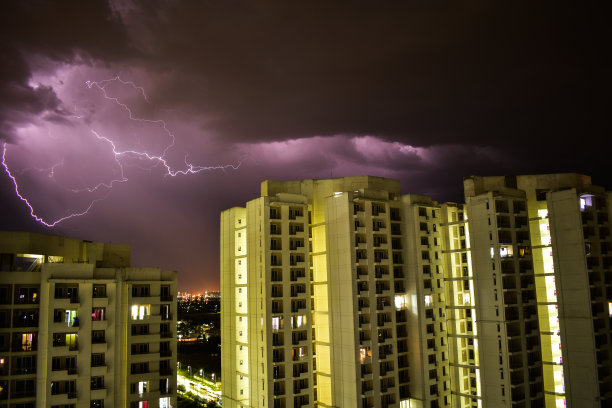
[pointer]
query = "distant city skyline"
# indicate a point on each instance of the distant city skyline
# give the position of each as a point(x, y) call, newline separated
point(152, 120)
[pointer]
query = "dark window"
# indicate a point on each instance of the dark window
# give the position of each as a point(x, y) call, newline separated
point(97, 336)
point(99, 291)
point(99, 403)
point(97, 359)
point(140, 291)
point(97, 383)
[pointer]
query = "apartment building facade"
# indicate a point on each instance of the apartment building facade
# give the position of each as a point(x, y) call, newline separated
point(569, 242)
point(343, 292)
point(80, 328)
point(315, 281)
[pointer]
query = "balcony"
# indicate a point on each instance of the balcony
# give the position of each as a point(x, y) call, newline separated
point(296, 229)
point(297, 274)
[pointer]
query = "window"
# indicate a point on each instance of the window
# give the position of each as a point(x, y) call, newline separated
point(99, 403)
point(164, 349)
point(97, 336)
point(97, 359)
point(165, 292)
point(97, 383)
point(140, 291)
point(99, 291)
point(139, 312)
point(23, 388)
point(164, 386)
point(139, 368)
point(98, 314)
point(164, 311)
point(140, 329)
point(59, 339)
point(164, 367)
point(140, 348)
point(24, 365)
point(28, 262)
point(27, 295)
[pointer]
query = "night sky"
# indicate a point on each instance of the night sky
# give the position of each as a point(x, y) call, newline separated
point(106, 105)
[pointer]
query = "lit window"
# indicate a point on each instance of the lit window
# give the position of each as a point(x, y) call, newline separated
point(139, 312)
point(71, 341)
point(98, 314)
point(28, 262)
point(401, 302)
point(428, 300)
point(506, 251)
point(364, 352)
point(27, 340)
point(586, 201)
point(298, 321)
point(71, 318)
point(142, 387)
point(276, 323)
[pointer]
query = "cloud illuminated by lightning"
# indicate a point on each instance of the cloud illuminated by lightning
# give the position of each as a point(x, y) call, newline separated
point(119, 155)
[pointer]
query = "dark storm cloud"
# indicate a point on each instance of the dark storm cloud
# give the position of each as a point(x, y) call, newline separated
point(62, 31)
point(479, 73)
point(402, 70)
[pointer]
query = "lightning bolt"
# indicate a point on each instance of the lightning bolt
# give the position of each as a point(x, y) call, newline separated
point(25, 200)
point(155, 159)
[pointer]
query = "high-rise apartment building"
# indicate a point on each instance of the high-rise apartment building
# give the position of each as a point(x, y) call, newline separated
point(550, 240)
point(344, 293)
point(80, 328)
point(505, 299)
point(315, 282)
